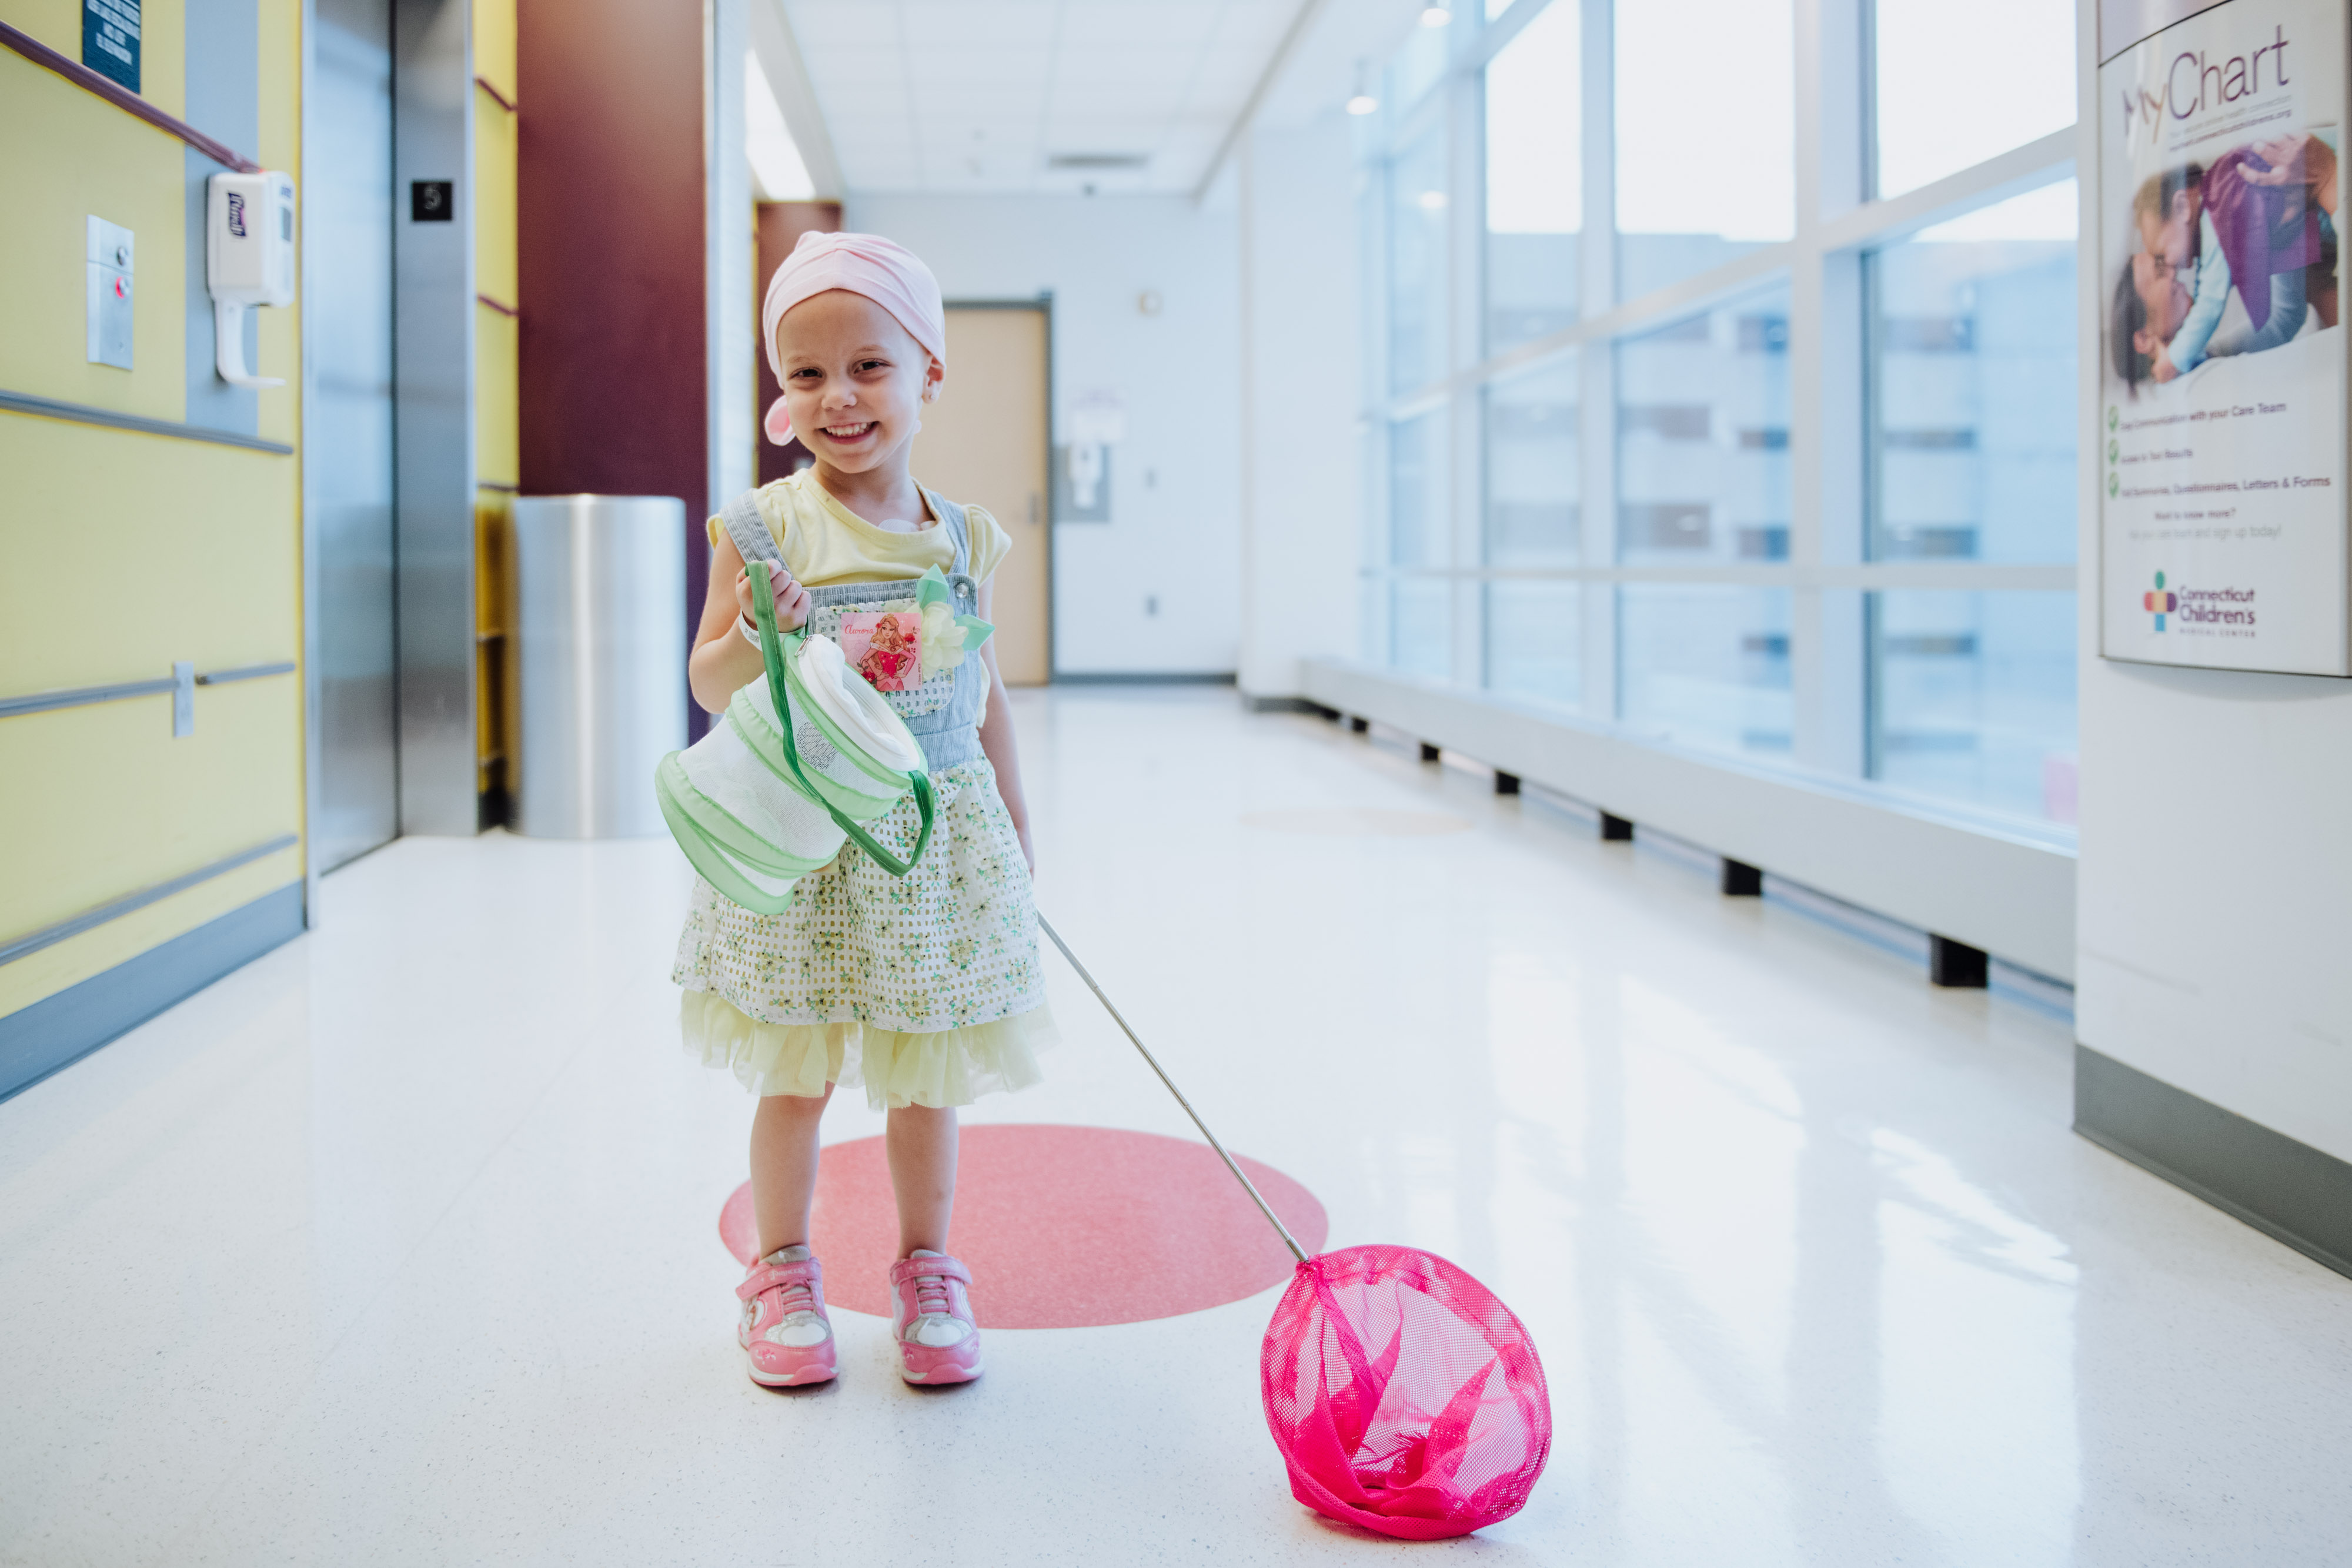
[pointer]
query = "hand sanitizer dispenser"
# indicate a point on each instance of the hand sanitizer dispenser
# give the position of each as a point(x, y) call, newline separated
point(248, 260)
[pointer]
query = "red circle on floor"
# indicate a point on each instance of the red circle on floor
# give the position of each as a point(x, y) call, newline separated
point(1060, 1226)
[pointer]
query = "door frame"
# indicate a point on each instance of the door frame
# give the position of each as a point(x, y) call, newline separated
point(313, 573)
point(1043, 304)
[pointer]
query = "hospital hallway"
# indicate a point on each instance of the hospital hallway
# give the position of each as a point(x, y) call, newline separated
point(401, 1244)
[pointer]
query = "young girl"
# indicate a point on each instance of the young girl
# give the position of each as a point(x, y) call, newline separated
point(926, 988)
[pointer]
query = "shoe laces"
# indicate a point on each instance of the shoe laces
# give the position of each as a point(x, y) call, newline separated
point(793, 1296)
point(931, 1296)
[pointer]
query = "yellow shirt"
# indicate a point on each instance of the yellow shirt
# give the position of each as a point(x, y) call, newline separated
point(823, 542)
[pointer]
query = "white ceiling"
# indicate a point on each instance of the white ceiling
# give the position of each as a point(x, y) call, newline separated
point(978, 94)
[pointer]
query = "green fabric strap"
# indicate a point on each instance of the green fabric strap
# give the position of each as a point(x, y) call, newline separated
point(772, 652)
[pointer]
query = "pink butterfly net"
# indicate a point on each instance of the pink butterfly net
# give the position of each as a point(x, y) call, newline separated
point(1404, 1397)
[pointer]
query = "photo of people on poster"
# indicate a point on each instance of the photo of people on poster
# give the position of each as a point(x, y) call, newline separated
point(2222, 364)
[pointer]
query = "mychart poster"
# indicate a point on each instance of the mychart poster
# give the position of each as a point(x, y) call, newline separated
point(2222, 364)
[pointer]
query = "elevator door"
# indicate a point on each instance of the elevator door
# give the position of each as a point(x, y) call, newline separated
point(348, 478)
point(984, 441)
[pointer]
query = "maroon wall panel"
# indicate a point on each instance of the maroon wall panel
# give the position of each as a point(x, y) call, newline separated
point(610, 220)
point(779, 227)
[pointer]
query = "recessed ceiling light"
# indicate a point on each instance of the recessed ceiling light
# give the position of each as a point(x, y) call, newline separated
point(1363, 103)
point(1436, 16)
point(1431, 200)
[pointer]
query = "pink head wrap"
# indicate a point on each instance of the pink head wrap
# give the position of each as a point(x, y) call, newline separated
point(888, 274)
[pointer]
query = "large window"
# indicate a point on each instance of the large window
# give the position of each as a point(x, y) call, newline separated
point(1534, 183)
point(1972, 386)
point(1707, 155)
point(1420, 626)
point(1972, 698)
point(1417, 280)
point(1706, 665)
point(1703, 436)
point(1533, 488)
point(1788, 481)
point(1956, 85)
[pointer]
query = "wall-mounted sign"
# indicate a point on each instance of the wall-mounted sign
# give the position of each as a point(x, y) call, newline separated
point(2222, 374)
point(432, 200)
point(110, 39)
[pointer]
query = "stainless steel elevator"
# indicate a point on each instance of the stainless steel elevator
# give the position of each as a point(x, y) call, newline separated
point(388, 420)
point(348, 469)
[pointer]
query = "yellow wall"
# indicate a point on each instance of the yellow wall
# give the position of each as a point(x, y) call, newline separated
point(126, 551)
point(498, 337)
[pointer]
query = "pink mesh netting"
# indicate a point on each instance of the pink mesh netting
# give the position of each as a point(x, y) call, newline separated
point(1404, 1397)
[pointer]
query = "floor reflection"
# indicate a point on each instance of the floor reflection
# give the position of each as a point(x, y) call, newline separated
point(1819, 1274)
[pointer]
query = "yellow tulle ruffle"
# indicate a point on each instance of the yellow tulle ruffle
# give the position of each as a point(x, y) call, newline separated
point(952, 1067)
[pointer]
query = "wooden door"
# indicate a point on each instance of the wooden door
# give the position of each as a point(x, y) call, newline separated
point(984, 443)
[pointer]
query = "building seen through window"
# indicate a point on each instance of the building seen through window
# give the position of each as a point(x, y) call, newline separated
point(1906, 619)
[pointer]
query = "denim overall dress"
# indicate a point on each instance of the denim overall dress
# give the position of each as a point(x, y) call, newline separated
point(926, 988)
point(944, 711)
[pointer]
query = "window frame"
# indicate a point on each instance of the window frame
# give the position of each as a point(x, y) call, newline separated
point(1837, 223)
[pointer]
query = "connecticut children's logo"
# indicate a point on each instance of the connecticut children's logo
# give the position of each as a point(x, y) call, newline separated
point(2160, 603)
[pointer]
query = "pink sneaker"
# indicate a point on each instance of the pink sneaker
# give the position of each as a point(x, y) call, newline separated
point(783, 1329)
point(931, 1317)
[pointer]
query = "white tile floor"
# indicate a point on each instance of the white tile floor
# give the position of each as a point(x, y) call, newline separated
point(398, 1246)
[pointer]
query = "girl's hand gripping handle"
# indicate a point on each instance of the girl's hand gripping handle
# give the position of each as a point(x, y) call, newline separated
point(784, 592)
point(771, 652)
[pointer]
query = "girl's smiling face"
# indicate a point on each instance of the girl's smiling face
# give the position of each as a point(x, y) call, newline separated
point(855, 379)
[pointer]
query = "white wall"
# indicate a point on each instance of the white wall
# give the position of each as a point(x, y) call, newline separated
point(1178, 537)
point(1302, 514)
point(2214, 890)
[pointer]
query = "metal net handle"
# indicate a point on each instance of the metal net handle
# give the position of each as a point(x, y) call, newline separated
point(1247, 1186)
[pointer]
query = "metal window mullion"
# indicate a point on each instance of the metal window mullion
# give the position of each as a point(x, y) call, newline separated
point(1842, 151)
point(1596, 378)
point(1378, 323)
point(2044, 161)
point(1807, 738)
point(1496, 36)
point(1891, 222)
point(1466, 159)
point(1825, 369)
point(1833, 719)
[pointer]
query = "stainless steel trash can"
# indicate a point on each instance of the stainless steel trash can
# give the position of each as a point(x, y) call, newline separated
point(598, 608)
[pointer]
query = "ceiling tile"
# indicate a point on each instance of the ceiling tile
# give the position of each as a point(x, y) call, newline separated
point(824, 24)
point(1261, 22)
point(1139, 22)
point(1127, 62)
point(904, 84)
point(1066, 132)
point(1028, 23)
point(980, 69)
point(1144, 105)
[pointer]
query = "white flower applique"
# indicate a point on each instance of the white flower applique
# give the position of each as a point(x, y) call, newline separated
point(947, 636)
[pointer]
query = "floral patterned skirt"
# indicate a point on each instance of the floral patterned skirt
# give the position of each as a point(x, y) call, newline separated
point(926, 988)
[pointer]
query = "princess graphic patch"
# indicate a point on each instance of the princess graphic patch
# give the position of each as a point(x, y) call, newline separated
point(885, 648)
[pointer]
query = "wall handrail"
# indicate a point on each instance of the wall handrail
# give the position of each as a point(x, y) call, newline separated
point(124, 98)
point(85, 697)
point(83, 413)
point(74, 926)
point(244, 673)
